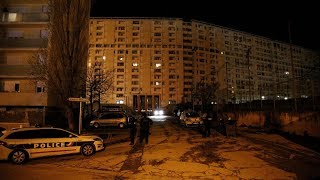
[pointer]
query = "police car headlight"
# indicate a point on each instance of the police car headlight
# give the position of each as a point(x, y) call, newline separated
point(98, 139)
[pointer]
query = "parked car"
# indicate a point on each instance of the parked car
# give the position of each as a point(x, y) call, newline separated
point(20, 145)
point(191, 119)
point(116, 119)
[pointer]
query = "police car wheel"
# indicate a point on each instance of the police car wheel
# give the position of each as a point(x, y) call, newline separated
point(96, 125)
point(121, 125)
point(19, 156)
point(87, 149)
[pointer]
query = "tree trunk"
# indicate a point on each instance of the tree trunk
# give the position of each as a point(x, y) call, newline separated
point(70, 119)
point(91, 103)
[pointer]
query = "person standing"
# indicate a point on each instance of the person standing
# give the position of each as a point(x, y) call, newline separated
point(145, 124)
point(132, 124)
point(207, 124)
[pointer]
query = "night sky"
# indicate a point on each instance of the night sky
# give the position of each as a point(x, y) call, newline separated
point(266, 18)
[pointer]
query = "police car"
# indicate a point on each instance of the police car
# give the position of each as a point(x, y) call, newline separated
point(19, 145)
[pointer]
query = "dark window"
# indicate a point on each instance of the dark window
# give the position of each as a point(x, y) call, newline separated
point(112, 116)
point(30, 134)
point(39, 133)
point(17, 87)
point(54, 133)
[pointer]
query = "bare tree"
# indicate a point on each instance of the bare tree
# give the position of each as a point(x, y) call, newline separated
point(98, 82)
point(205, 92)
point(63, 63)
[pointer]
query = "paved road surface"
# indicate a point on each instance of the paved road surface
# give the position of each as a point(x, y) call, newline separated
point(175, 152)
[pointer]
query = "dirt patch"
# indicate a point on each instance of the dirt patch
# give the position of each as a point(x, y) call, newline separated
point(204, 153)
point(156, 162)
point(133, 162)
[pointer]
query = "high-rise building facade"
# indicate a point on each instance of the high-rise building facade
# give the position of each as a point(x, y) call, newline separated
point(159, 61)
point(23, 30)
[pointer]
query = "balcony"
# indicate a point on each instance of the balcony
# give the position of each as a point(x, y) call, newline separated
point(23, 43)
point(9, 17)
point(23, 99)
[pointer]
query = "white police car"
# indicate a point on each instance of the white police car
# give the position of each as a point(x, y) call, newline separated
point(22, 144)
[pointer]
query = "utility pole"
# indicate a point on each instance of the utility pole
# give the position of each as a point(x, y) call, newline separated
point(292, 69)
point(248, 56)
point(227, 84)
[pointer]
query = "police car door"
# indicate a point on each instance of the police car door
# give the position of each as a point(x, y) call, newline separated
point(55, 142)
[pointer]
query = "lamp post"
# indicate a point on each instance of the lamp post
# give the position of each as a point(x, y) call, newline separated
point(194, 84)
point(248, 56)
point(217, 74)
point(292, 69)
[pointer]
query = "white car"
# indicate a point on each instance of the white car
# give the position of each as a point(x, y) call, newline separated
point(19, 145)
point(191, 119)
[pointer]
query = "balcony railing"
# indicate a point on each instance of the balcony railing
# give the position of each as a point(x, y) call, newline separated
point(9, 17)
point(23, 99)
point(23, 43)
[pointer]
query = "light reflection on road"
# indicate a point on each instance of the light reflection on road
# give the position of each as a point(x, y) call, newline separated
point(158, 118)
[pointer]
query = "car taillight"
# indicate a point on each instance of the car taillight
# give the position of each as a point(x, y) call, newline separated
point(3, 143)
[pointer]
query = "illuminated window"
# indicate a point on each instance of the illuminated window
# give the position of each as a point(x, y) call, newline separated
point(135, 70)
point(135, 64)
point(158, 64)
point(12, 17)
point(157, 83)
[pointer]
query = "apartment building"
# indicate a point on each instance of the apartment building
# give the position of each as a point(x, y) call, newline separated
point(23, 25)
point(159, 61)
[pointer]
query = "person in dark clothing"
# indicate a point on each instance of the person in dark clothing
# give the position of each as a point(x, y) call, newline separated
point(145, 124)
point(132, 125)
point(207, 124)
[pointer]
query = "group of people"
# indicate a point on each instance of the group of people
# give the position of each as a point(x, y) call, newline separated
point(145, 125)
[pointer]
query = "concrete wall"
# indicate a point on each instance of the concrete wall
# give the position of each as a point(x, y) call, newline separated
point(16, 119)
point(298, 123)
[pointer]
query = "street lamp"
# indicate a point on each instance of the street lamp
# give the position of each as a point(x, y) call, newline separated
point(248, 56)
